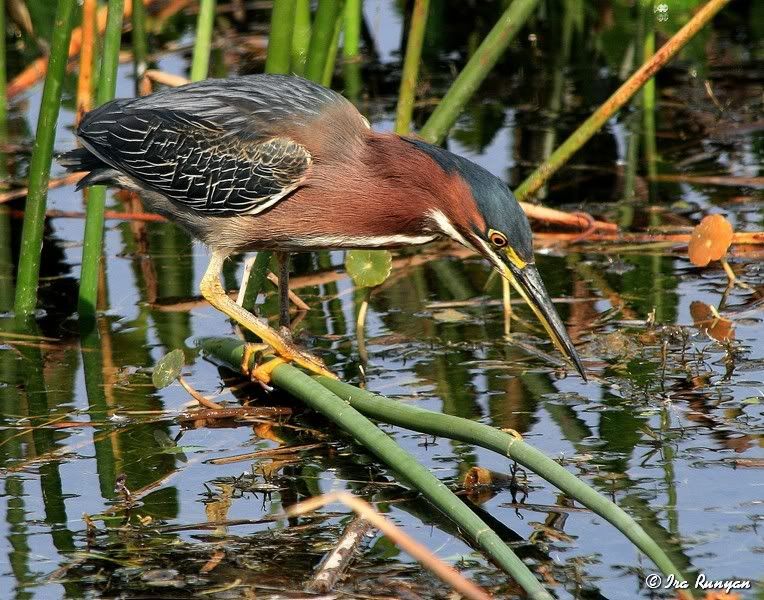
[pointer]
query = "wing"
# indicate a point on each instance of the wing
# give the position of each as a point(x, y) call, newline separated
point(215, 149)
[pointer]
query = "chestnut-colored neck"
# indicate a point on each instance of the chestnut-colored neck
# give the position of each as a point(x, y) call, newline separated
point(379, 186)
point(402, 183)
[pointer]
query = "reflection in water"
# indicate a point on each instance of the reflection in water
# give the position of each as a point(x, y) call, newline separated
point(673, 403)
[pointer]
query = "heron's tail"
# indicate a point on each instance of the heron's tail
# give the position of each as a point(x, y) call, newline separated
point(83, 159)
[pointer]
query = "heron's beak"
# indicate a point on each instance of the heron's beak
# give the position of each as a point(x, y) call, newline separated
point(527, 281)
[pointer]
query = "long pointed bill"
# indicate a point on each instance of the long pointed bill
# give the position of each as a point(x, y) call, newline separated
point(528, 283)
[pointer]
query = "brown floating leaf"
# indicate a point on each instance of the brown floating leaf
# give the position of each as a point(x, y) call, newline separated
point(710, 240)
point(477, 477)
point(711, 324)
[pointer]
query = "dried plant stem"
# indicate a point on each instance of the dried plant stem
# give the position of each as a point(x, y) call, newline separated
point(39, 169)
point(458, 428)
point(85, 78)
point(336, 562)
point(397, 535)
point(167, 79)
point(321, 399)
point(620, 97)
point(37, 69)
point(205, 402)
point(409, 77)
point(293, 298)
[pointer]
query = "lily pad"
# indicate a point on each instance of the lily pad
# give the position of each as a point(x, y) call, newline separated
point(368, 267)
point(168, 369)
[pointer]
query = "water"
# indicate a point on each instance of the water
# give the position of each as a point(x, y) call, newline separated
point(670, 425)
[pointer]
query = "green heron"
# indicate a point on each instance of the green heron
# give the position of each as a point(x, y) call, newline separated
point(275, 162)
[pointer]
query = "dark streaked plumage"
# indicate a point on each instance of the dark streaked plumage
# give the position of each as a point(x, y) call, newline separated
point(280, 163)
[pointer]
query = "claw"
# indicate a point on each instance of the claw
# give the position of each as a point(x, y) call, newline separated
point(251, 349)
point(262, 373)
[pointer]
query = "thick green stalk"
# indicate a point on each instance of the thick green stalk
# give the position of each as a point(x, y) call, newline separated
point(622, 95)
point(476, 70)
point(300, 36)
point(331, 55)
point(205, 23)
point(277, 61)
point(280, 39)
point(256, 280)
point(471, 432)
point(91, 251)
point(320, 399)
point(140, 46)
point(648, 92)
point(321, 38)
point(407, 93)
point(42, 155)
point(351, 48)
point(3, 93)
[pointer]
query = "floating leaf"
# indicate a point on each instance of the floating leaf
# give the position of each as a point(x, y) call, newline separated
point(477, 477)
point(368, 267)
point(168, 369)
point(710, 240)
point(449, 315)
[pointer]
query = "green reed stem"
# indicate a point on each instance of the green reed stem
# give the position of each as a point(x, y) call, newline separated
point(351, 46)
point(648, 92)
point(256, 281)
point(278, 61)
point(280, 39)
point(42, 154)
point(321, 38)
point(457, 428)
point(3, 93)
point(477, 69)
point(331, 55)
point(622, 95)
point(300, 36)
point(93, 242)
point(321, 399)
point(140, 45)
point(205, 24)
point(407, 93)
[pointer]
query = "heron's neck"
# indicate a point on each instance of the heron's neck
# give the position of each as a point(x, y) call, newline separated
point(409, 177)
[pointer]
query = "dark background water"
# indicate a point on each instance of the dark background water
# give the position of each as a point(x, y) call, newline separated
point(670, 426)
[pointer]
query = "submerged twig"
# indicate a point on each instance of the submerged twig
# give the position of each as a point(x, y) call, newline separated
point(334, 565)
point(417, 550)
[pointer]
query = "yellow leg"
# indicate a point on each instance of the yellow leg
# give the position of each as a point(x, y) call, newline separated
point(215, 295)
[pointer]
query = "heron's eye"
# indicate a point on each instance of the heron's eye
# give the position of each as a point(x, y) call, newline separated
point(498, 239)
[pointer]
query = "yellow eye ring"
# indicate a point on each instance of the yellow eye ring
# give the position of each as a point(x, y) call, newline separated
point(498, 239)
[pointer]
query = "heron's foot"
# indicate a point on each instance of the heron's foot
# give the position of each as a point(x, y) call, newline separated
point(259, 359)
point(283, 347)
point(262, 373)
